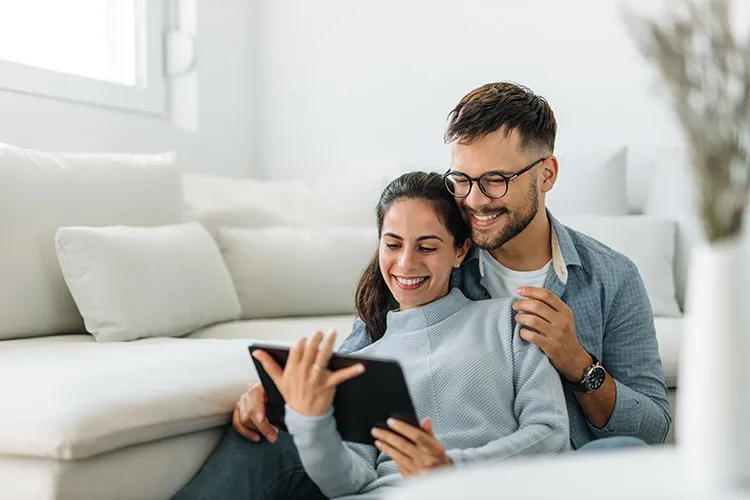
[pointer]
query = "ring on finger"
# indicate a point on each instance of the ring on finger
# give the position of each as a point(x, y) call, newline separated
point(318, 368)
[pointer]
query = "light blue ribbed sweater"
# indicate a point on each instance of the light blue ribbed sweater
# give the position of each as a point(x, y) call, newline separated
point(490, 395)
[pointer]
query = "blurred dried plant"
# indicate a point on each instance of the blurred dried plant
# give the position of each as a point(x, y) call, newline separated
point(706, 69)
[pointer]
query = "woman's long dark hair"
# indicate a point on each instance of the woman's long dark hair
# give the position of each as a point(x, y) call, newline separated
point(373, 298)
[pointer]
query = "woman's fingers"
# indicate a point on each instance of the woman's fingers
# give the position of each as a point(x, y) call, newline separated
point(396, 441)
point(295, 355)
point(427, 426)
point(340, 376)
point(311, 351)
point(325, 352)
point(403, 462)
point(272, 367)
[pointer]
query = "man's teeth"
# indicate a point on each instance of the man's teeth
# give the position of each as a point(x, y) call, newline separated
point(485, 217)
point(410, 281)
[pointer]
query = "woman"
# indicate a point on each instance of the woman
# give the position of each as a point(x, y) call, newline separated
point(486, 393)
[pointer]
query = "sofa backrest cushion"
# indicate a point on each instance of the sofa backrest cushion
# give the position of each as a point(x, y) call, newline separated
point(647, 241)
point(287, 271)
point(137, 282)
point(41, 192)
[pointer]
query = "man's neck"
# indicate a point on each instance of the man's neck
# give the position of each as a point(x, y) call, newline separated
point(531, 249)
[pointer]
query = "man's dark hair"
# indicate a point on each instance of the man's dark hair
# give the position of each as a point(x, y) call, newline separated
point(490, 107)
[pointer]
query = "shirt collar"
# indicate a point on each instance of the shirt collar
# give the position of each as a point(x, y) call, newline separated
point(564, 252)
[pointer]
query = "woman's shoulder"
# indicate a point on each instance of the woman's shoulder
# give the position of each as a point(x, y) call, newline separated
point(493, 305)
point(500, 310)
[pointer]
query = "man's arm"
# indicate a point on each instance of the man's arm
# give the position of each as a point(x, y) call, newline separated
point(630, 354)
point(633, 400)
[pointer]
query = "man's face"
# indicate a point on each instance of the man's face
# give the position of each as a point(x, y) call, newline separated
point(496, 221)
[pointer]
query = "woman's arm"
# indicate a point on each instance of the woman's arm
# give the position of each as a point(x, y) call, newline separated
point(337, 469)
point(308, 388)
point(539, 408)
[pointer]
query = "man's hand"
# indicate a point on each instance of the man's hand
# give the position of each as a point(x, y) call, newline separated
point(249, 416)
point(418, 453)
point(305, 382)
point(550, 326)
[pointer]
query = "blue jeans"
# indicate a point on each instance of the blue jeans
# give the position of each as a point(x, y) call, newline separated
point(612, 444)
point(240, 469)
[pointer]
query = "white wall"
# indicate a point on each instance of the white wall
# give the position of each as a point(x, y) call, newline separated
point(351, 86)
point(223, 142)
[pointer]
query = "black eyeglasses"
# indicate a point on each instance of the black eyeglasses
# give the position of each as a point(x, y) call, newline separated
point(493, 184)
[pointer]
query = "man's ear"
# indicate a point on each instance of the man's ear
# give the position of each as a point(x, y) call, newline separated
point(461, 253)
point(549, 169)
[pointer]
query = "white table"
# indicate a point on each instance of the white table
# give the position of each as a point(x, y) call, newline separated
point(653, 473)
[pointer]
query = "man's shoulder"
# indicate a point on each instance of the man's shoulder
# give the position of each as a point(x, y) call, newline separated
point(600, 261)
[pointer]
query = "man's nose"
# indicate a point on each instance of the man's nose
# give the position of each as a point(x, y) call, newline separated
point(476, 197)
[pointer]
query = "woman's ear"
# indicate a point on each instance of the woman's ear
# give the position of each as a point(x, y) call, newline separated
point(461, 253)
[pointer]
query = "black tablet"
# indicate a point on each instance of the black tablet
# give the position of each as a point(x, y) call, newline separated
point(360, 404)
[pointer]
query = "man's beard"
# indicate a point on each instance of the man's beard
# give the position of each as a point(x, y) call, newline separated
point(516, 223)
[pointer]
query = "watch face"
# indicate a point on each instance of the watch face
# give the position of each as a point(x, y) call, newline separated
point(594, 379)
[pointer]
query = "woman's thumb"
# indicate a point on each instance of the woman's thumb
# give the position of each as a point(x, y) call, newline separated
point(427, 425)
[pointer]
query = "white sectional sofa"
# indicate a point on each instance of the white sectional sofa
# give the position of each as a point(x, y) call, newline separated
point(88, 417)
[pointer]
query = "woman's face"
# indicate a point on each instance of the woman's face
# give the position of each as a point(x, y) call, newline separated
point(417, 253)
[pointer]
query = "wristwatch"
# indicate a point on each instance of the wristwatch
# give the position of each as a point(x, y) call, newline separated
point(593, 378)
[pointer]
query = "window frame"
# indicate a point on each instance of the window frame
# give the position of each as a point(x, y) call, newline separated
point(148, 97)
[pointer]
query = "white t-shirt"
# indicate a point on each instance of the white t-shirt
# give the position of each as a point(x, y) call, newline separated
point(502, 282)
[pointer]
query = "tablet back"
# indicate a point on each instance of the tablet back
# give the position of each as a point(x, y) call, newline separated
point(360, 404)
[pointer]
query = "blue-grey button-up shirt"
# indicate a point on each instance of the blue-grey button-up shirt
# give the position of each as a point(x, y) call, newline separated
point(614, 321)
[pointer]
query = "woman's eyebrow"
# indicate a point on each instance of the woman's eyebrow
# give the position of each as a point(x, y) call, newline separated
point(421, 238)
point(429, 237)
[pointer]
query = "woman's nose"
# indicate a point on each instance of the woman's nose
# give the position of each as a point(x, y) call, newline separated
point(407, 259)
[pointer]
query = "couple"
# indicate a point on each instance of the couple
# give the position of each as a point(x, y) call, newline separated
point(494, 376)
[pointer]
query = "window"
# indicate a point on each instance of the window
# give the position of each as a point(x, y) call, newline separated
point(104, 52)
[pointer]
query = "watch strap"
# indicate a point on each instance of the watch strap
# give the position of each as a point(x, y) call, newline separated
point(578, 386)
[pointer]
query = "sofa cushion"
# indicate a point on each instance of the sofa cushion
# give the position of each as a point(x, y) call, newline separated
point(669, 335)
point(647, 241)
point(284, 330)
point(41, 192)
point(321, 202)
point(78, 397)
point(136, 282)
point(285, 271)
point(591, 182)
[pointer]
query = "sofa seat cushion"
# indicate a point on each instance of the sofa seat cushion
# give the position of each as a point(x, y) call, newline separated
point(75, 398)
point(669, 333)
point(279, 329)
point(70, 397)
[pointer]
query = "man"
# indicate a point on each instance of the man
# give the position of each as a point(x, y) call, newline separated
point(586, 306)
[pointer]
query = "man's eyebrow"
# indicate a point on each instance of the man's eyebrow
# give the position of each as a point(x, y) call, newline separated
point(506, 173)
point(421, 238)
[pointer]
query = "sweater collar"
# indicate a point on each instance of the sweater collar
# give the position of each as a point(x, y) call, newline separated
point(427, 315)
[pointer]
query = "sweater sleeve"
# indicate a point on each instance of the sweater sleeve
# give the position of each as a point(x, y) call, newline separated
point(337, 469)
point(539, 408)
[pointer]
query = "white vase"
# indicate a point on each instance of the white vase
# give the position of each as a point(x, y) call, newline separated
point(711, 420)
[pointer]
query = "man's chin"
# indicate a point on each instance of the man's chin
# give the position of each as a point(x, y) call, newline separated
point(485, 237)
point(484, 242)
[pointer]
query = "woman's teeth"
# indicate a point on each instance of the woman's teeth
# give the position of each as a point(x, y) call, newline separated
point(410, 281)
